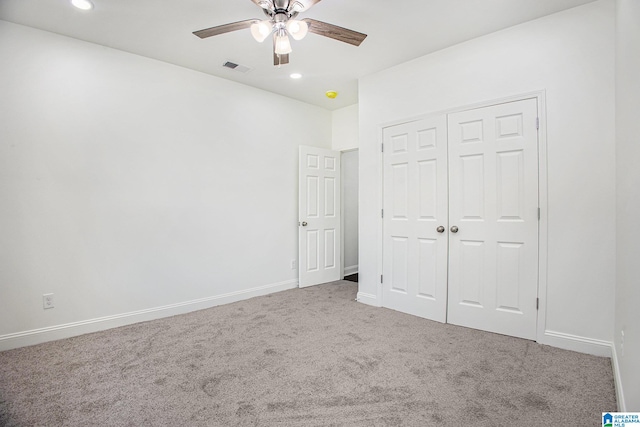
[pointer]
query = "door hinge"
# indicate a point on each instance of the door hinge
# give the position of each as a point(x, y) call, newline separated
point(537, 122)
point(537, 303)
point(382, 213)
point(381, 278)
point(539, 214)
point(382, 148)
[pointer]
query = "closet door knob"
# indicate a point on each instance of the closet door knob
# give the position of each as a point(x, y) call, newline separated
point(304, 223)
point(454, 229)
point(440, 229)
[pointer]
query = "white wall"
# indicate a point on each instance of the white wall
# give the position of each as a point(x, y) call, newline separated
point(345, 128)
point(349, 166)
point(570, 55)
point(128, 184)
point(628, 206)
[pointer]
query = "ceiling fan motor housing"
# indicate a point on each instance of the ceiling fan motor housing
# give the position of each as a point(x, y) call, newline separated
point(281, 10)
point(281, 4)
point(280, 19)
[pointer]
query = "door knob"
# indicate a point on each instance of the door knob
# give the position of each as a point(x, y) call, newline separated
point(440, 229)
point(454, 229)
point(304, 223)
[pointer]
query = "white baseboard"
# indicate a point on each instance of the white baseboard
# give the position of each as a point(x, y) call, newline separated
point(368, 299)
point(51, 333)
point(348, 271)
point(576, 343)
point(617, 379)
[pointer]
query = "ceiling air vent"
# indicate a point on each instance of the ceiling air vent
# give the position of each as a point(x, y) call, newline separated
point(235, 67)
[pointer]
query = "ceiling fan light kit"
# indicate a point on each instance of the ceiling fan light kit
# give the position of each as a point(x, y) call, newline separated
point(260, 30)
point(297, 29)
point(281, 23)
point(282, 43)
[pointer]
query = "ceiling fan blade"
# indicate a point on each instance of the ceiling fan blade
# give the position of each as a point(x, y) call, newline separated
point(227, 28)
point(334, 32)
point(301, 5)
point(280, 59)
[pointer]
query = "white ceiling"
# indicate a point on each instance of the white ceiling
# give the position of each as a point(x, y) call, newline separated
point(398, 31)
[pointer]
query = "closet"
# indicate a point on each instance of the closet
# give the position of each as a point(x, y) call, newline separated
point(460, 218)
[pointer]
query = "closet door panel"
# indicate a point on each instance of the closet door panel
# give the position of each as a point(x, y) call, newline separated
point(493, 203)
point(415, 205)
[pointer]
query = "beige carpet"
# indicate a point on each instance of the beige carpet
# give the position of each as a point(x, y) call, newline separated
point(305, 357)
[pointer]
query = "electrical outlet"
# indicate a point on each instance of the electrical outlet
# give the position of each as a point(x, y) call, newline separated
point(47, 301)
point(293, 264)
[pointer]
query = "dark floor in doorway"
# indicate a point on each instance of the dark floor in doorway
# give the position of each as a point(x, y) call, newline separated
point(352, 278)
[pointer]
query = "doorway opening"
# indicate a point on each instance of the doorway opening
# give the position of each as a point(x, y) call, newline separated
point(350, 170)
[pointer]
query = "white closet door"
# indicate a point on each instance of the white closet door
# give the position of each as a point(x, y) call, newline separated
point(319, 213)
point(415, 205)
point(493, 202)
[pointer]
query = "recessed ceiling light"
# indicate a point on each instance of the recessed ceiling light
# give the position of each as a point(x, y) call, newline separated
point(82, 4)
point(296, 76)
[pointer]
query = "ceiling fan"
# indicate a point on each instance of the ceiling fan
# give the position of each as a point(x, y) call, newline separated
point(281, 22)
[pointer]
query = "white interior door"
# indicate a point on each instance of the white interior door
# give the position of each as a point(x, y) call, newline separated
point(319, 213)
point(493, 203)
point(415, 206)
point(473, 176)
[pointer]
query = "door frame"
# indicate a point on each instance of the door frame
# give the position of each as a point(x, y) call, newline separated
point(543, 224)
